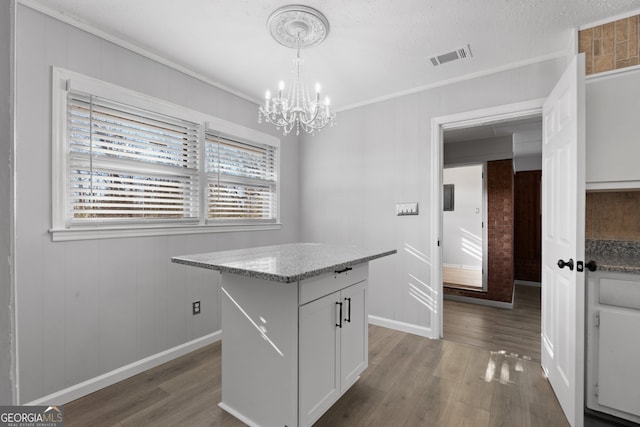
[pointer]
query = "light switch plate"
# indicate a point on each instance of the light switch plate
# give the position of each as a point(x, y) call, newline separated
point(403, 209)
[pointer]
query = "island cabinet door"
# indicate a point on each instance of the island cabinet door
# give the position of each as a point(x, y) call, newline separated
point(354, 354)
point(319, 356)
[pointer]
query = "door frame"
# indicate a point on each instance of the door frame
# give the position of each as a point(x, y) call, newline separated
point(484, 116)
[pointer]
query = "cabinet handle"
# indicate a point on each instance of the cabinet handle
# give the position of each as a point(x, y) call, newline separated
point(348, 319)
point(339, 325)
point(343, 270)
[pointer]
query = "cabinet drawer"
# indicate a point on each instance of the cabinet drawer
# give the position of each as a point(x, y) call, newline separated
point(620, 293)
point(618, 375)
point(319, 286)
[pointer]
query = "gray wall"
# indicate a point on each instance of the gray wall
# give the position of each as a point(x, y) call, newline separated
point(354, 173)
point(6, 297)
point(478, 150)
point(87, 307)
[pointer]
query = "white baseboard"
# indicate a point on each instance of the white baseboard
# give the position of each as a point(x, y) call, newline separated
point(463, 267)
point(527, 283)
point(480, 301)
point(94, 384)
point(401, 326)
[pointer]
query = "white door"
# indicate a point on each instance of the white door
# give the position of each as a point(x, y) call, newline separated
point(563, 198)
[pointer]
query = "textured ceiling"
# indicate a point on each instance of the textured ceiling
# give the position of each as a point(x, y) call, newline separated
point(375, 48)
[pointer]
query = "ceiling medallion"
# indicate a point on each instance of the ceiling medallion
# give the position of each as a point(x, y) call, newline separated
point(297, 27)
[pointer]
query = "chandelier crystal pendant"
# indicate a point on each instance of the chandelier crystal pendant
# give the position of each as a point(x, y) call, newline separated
point(297, 27)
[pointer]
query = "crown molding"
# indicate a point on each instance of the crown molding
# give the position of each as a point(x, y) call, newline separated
point(487, 72)
point(77, 23)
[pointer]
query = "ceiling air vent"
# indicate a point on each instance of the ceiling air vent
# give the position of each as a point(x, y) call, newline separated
point(462, 53)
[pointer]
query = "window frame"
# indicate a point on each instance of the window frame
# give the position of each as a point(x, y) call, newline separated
point(63, 230)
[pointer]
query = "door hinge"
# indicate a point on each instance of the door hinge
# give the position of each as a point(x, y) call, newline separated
point(596, 320)
point(596, 390)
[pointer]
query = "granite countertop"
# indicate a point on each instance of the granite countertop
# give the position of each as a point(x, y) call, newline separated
point(284, 263)
point(614, 255)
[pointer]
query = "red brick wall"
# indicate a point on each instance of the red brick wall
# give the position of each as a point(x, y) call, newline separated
point(528, 227)
point(500, 223)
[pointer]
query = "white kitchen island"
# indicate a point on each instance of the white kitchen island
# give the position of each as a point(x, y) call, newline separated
point(294, 328)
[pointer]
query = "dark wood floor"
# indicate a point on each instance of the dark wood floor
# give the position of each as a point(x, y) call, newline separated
point(515, 331)
point(411, 381)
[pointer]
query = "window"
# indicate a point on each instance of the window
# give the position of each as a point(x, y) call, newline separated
point(241, 180)
point(127, 164)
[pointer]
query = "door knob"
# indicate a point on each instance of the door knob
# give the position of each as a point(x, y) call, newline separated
point(591, 265)
point(563, 264)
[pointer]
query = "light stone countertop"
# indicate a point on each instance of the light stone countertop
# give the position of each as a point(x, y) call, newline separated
point(284, 263)
point(614, 255)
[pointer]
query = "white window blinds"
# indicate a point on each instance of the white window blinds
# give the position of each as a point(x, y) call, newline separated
point(128, 164)
point(241, 180)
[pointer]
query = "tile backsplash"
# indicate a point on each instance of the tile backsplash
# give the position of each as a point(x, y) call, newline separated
point(611, 46)
point(613, 215)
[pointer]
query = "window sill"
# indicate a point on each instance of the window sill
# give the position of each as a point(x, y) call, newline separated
point(65, 235)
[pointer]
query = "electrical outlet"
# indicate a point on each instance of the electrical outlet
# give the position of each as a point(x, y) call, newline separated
point(195, 307)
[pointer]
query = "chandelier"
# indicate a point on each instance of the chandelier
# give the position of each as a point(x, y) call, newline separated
point(297, 27)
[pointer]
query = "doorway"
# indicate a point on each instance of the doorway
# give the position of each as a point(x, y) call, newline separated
point(504, 316)
point(508, 155)
point(461, 123)
point(464, 240)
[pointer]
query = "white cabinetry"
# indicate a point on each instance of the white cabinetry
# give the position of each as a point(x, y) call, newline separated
point(290, 350)
point(612, 130)
point(613, 347)
point(294, 328)
point(333, 348)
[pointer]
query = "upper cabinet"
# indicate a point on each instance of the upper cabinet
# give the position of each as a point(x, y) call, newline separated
point(613, 131)
point(612, 58)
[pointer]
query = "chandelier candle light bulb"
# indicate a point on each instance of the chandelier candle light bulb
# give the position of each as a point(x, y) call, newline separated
point(297, 26)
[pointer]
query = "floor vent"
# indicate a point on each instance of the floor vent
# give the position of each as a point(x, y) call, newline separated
point(462, 53)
